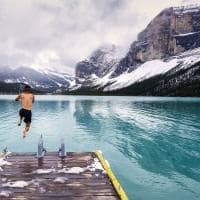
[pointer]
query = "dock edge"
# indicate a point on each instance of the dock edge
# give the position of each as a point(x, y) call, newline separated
point(119, 189)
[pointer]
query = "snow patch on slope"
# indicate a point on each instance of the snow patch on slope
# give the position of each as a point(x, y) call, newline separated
point(193, 7)
point(145, 71)
point(186, 34)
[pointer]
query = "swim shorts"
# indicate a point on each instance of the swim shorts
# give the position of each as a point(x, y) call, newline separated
point(26, 114)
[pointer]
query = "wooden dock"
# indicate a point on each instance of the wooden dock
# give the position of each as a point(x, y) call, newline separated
point(79, 176)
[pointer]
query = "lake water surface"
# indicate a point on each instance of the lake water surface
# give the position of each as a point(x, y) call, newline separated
point(152, 143)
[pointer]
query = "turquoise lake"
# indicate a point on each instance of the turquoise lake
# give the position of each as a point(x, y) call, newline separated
point(151, 143)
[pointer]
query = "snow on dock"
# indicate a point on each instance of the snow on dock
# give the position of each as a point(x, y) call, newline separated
point(78, 176)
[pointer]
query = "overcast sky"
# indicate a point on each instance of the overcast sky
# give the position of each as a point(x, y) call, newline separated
point(59, 33)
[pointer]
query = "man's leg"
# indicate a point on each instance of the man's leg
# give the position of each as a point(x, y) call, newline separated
point(21, 115)
point(25, 132)
point(20, 120)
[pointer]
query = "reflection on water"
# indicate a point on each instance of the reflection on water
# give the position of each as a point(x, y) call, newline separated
point(153, 144)
point(85, 118)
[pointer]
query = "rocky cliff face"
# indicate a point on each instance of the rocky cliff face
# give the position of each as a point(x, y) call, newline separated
point(173, 31)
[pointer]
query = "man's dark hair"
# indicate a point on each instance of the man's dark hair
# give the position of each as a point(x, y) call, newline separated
point(27, 88)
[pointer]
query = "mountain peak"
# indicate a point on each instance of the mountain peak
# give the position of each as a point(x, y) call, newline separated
point(100, 62)
point(105, 53)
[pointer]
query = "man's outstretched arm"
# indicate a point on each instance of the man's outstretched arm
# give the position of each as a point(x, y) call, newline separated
point(18, 97)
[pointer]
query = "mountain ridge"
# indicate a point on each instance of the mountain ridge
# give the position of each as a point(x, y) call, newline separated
point(173, 32)
point(48, 81)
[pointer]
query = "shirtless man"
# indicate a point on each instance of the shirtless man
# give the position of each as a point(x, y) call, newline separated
point(27, 99)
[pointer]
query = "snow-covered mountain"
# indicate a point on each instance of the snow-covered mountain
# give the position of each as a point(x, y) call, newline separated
point(46, 80)
point(168, 46)
point(181, 67)
point(101, 62)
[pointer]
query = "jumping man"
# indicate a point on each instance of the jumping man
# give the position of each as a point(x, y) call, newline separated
point(27, 99)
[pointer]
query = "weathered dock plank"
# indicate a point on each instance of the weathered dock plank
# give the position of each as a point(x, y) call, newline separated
point(78, 176)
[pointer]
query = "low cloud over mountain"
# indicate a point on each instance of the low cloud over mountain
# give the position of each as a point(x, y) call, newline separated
point(57, 33)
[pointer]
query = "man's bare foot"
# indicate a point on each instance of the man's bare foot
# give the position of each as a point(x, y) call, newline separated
point(25, 133)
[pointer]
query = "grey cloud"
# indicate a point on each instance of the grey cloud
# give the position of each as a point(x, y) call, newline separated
point(69, 29)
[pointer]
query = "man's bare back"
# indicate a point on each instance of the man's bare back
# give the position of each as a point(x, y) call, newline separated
point(27, 99)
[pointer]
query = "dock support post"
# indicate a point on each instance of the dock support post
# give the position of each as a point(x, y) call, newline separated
point(61, 152)
point(41, 151)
